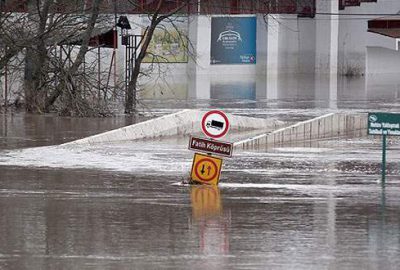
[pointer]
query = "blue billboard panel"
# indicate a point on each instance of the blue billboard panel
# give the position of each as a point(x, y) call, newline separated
point(233, 40)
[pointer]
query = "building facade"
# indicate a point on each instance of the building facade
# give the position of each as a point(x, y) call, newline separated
point(269, 39)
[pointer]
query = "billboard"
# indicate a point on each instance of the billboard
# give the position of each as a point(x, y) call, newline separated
point(233, 40)
point(169, 41)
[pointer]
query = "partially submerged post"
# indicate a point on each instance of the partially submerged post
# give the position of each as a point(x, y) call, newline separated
point(5, 87)
point(206, 169)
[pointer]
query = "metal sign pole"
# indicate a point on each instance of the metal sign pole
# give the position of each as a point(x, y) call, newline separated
point(5, 87)
point(383, 159)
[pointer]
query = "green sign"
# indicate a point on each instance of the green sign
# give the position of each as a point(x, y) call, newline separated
point(384, 123)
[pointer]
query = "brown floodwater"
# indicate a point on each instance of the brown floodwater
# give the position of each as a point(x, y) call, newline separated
point(122, 206)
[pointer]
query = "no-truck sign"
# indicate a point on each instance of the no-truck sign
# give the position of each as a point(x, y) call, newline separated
point(215, 124)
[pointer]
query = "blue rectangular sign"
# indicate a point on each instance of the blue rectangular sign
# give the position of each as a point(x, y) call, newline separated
point(233, 40)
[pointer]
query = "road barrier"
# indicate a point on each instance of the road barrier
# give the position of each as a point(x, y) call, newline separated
point(179, 123)
point(324, 127)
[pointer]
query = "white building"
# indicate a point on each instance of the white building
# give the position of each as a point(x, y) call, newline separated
point(333, 42)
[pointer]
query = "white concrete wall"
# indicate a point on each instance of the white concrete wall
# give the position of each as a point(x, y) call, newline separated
point(200, 37)
point(375, 40)
point(326, 36)
point(354, 38)
point(352, 42)
point(262, 45)
point(382, 87)
point(307, 44)
point(382, 60)
point(267, 56)
point(290, 50)
point(286, 45)
point(289, 44)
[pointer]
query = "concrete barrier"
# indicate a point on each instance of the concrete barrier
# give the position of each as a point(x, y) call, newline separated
point(180, 123)
point(323, 127)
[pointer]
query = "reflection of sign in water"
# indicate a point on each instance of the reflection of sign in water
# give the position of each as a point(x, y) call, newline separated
point(384, 123)
point(233, 40)
point(208, 216)
point(206, 201)
point(241, 88)
point(206, 169)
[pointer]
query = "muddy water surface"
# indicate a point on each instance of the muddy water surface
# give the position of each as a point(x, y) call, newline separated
point(122, 206)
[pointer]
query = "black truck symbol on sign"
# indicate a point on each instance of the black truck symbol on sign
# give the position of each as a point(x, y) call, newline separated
point(215, 124)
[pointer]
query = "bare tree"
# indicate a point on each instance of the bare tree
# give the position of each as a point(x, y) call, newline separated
point(13, 37)
point(36, 56)
point(49, 83)
point(156, 17)
point(39, 31)
point(68, 74)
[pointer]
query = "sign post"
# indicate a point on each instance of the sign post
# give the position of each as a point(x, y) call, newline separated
point(206, 169)
point(384, 124)
point(383, 170)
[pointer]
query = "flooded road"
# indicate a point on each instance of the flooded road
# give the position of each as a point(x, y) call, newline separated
point(122, 206)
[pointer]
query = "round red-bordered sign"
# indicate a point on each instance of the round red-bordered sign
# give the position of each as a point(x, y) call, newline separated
point(209, 178)
point(215, 124)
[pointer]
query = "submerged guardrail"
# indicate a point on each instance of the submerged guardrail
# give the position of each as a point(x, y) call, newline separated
point(274, 134)
point(179, 123)
point(324, 127)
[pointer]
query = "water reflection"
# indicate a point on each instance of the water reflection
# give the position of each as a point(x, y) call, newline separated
point(206, 201)
point(300, 209)
point(383, 232)
point(242, 90)
point(209, 219)
point(323, 91)
point(26, 130)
